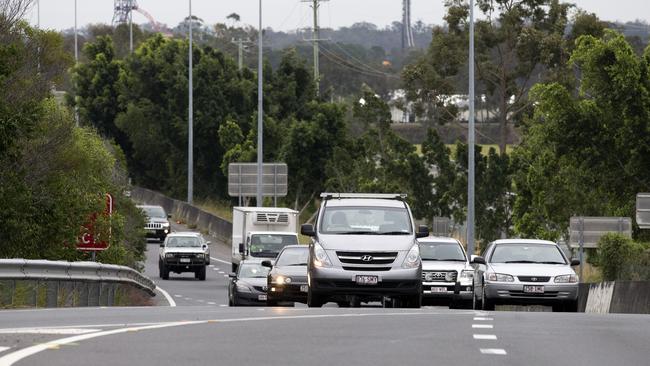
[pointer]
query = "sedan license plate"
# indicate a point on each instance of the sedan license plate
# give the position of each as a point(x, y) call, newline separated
point(438, 289)
point(304, 288)
point(531, 289)
point(261, 297)
point(185, 260)
point(367, 280)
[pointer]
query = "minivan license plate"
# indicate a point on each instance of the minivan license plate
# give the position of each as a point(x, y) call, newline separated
point(530, 289)
point(367, 280)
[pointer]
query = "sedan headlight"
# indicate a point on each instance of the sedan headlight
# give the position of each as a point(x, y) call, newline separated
point(320, 257)
point(570, 278)
point(169, 255)
point(412, 259)
point(281, 280)
point(243, 288)
point(500, 277)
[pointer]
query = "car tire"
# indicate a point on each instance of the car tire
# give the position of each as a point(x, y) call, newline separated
point(343, 304)
point(233, 267)
point(200, 273)
point(476, 303)
point(412, 302)
point(164, 271)
point(271, 302)
point(315, 301)
point(487, 303)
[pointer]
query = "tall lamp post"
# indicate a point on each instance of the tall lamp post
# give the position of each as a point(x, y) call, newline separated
point(190, 113)
point(470, 137)
point(260, 114)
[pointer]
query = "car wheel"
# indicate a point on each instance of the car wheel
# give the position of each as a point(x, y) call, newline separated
point(234, 268)
point(343, 304)
point(487, 303)
point(314, 301)
point(571, 306)
point(271, 303)
point(387, 302)
point(164, 271)
point(201, 273)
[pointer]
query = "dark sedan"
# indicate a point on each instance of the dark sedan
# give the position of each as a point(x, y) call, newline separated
point(287, 280)
point(248, 285)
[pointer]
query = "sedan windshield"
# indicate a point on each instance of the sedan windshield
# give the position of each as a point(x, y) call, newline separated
point(253, 270)
point(154, 211)
point(527, 253)
point(366, 221)
point(183, 242)
point(269, 245)
point(441, 252)
point(293, 257)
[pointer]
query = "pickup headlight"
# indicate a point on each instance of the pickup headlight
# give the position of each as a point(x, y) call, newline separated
point(412, 259)
point(467, 274)
point(281, 280)
point(200, 256)
point(169, 255)
point(500, 277)
point(570, 278)
point(320, 257)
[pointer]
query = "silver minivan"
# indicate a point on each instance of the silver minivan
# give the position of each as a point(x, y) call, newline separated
point(525, 271)
point(364, 249)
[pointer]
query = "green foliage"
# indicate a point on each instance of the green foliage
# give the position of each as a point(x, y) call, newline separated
point(617, 255)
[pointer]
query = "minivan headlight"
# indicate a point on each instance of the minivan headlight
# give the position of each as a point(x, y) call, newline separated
point(500, 277)
point(412, 259)
point(320, 257)
point(570, 278)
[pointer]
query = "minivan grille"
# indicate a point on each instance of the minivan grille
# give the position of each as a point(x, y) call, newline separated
point(272, 218)
point(367, 257)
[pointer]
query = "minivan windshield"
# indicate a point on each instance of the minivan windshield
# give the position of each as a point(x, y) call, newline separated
point(365, 221)
point(433, 251)
point(154, 211)
point(269, 245)
point(527, 253)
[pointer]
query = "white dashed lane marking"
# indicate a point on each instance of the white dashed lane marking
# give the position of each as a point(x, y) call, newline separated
point(479, 318)
point(221, 272)
point(485, 336)
point(211, 303)
point(223, 305)
point(493, 351)
point(178, 295)
point(482, 326)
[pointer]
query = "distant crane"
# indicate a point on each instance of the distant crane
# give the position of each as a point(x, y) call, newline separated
point(407, 32)
point(122, 12)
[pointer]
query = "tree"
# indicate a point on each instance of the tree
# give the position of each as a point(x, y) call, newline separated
point(586, 154)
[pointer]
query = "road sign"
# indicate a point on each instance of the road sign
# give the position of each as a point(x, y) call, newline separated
point(589, 230)
point(88, 240)
point(242, 179)
point(441, 226)
point(643, 210)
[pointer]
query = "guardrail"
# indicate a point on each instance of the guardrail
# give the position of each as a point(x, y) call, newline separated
point(42, 283)
point(216, 226)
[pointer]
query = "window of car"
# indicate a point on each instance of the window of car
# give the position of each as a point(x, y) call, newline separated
point(293, 257)
point(527, 253)
point(269, 245)
point(436, 251)
point(183, 242)
point(252, 270)
point(365, 221)
point(154, 211)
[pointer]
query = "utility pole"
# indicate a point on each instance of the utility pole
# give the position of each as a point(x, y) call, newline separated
point(190, 132)
point(260, 115)
point(240, 54)
point(76, 60)
point(470, 137)
point(315, 39)
point(130, 26)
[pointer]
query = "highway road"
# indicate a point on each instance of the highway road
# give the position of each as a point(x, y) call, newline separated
point(201, 330)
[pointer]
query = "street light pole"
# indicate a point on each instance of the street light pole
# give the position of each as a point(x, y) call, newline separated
point(76, 60)
point(190, 112)
point(260, 114)
point(131, 26)
point(470, 137)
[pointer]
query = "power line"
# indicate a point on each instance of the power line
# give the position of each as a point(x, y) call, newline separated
point(367, 71)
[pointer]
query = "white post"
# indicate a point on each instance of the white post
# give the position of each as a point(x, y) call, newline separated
point(470, 137)
point(260, 114)
point(190, 137)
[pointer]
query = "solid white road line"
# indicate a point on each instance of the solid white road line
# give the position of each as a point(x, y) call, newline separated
point(59, 331)
point(493, 351)
point(485, 336)
point(169, 299)
point(2, 349)
point(219, 260)
point(478, 318)
point(482, 326)
point(221, 272)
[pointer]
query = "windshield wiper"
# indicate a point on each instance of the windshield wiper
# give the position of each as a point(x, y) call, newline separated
point(356, 233)
point(444, 260)
point(394, 233)
point(298, 264)
point(551, 262)
point(521, 261)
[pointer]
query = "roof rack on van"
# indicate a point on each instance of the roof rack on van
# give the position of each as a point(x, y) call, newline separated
point(390, 196)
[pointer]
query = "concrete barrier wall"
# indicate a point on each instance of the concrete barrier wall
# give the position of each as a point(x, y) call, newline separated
point(214, 225)
point(628, 297)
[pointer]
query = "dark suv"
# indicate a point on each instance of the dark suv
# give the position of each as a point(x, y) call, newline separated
point(157, 226)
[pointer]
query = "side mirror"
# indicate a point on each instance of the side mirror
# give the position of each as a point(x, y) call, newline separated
point(241, 248)
point(232, 275)
point(307, 230)
point(162, 245)
point(423, 231)
point(205, 246)
point(267, 264)
point(575, 262)
point(169, 216)
point(478, 260)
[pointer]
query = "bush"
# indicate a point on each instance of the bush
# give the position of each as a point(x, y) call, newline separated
point(619, 257)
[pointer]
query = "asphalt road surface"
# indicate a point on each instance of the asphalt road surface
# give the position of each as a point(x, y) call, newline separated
point(201, 330)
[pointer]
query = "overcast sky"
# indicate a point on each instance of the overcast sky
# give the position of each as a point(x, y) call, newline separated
point(292, 14)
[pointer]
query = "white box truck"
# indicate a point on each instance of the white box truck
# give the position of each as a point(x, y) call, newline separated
point(261, 232)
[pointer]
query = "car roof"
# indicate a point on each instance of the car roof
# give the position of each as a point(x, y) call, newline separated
point(523, 241)
point(364, 202)
point(438, 239)
point(184, 233)
point(273, 233)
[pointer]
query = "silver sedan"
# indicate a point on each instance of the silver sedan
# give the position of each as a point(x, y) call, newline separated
point(525, 271)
